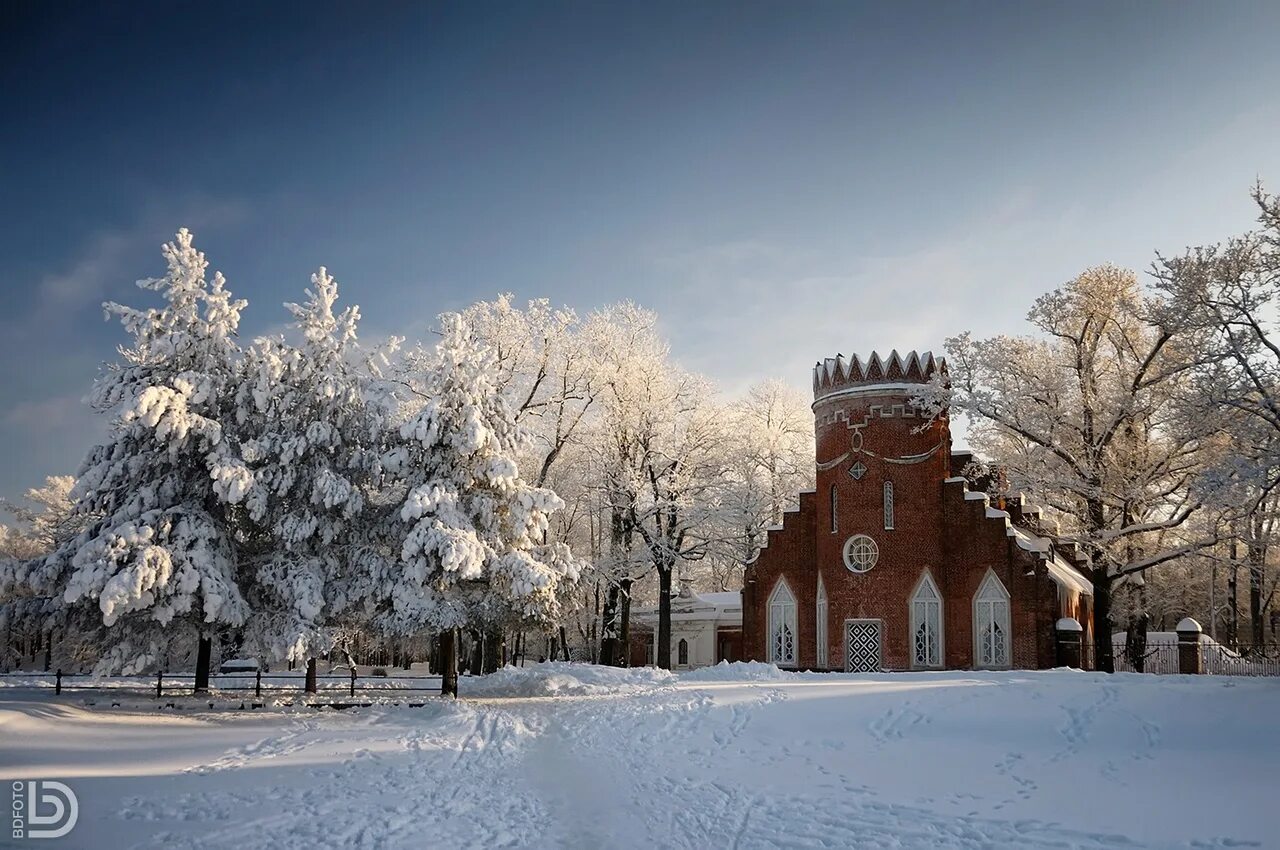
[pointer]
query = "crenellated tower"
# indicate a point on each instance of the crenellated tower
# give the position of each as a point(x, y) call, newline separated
point(881, 465)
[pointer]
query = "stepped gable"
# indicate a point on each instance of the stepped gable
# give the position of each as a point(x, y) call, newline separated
point(836, 373)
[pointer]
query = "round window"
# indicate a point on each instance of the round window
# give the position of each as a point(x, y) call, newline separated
point(860, 553)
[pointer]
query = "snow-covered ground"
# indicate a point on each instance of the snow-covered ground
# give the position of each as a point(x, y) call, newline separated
point(739, 756)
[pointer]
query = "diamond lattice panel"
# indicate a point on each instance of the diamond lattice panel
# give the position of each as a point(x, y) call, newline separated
point(862, 646)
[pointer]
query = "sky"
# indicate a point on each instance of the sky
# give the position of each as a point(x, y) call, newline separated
point(778, 181)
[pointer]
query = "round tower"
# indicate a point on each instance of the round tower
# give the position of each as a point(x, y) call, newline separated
point(881, 465)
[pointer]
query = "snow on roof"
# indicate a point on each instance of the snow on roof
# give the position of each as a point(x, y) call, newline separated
point(721, 606)
point(1065, 575)
point(1062, 573)
point(730, 597)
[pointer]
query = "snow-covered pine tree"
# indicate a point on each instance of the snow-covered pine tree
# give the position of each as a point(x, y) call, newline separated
point(312, 444)
point(470, 530)
point(159, 557)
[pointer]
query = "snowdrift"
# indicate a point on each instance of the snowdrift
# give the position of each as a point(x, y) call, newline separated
point(738, 671)
point(563, 678)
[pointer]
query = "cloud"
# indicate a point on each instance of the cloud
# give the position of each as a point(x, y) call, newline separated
point(87, 279)
point(47, 414)
point(745, 310)
point(106, 255)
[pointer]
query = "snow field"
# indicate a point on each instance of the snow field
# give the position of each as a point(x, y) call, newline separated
point(734, 756)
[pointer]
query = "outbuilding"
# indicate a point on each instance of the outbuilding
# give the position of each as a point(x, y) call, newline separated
point(706, 628)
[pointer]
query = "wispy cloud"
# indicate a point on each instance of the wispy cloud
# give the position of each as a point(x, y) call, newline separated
point(87, 279)
point(104, 258)
point(744, 310)
point(47, 414)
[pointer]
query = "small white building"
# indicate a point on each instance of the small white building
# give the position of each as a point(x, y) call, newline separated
point(706, 628)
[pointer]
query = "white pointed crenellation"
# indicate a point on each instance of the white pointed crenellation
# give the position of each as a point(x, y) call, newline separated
point(835, 372)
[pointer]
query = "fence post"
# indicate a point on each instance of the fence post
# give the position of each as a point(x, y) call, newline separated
point(57, 683)
point(1070, 643)
point(159, 683)
point(1190, 656)
point(310, 685)
point(257, 685)
point(353, 680)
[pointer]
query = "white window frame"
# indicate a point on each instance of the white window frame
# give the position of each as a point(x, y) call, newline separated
point(782, 615)
point(682, 644)
point(861, 553)
point(820, 630)
point(927, 611)
point(888, 506)
point(991, 605)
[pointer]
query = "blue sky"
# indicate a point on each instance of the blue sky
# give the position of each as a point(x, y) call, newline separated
point(779, 181)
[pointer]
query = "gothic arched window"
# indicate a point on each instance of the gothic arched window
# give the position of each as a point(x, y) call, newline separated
point(682, 653)
point(782, 625)
point(926, 624)
point(991, 623)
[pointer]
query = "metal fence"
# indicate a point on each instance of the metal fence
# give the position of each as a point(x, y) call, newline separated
point(1215, 659)
point(348, 684)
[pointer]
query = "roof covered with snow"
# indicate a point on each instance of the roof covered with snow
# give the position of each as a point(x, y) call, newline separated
point(724, 608)
point(1062, 573)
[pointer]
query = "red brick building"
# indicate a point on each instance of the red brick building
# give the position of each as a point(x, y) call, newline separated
point(894, 562)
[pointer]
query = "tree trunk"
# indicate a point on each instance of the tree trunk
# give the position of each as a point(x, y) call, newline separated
point(564, 645)
point(310, 686)
point(1103, 658)
point(203, 654)
point(624, 640)
point(1256, 576)
point(48, 651)
point(1103, 651)
point(494, 646)
point(1136, 642)
point(664, 618)
point(449, 663)
point(476, 662)
point(609, 627)
point(1233, 604)
point(591, 632)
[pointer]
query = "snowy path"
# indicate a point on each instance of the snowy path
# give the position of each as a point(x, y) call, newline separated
point(1013, 760)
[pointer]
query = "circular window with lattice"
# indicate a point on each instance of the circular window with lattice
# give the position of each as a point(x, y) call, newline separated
point(860, 553)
